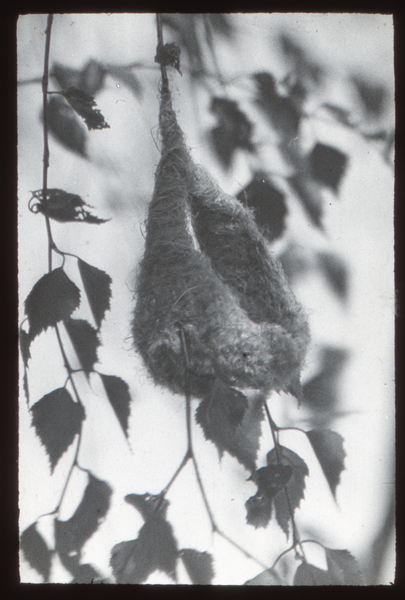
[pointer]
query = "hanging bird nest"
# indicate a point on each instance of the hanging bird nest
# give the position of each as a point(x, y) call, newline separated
point(207, 274)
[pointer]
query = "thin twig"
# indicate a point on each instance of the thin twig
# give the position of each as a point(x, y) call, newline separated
point(163, 70)
point(295, 534)
point(211, 517)
point(45, 124)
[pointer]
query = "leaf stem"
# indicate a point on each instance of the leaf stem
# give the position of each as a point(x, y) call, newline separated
point(190, 452)
point(163, 70)
point(45, 79)
point(295, 534)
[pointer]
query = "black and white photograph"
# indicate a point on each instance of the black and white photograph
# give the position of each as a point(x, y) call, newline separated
point(206, 299)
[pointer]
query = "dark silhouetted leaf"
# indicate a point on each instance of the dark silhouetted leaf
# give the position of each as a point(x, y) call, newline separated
point(85, 106)
point(52, 299)
point(168, 55)
point(268, 204)
point(335, 272)
point(147, 504)
point(86, 574)
point(154, 549)
point(309, 194)
point(328, 447)
point(373, 96)
point(327, 165)
point(234, 130)
point(198, 566)
point(71, 535)
point(268, 577)
point(127, 77)
point(259, 509)
point(65, 76)
point(62, 206)
point(295, 486)
point(97, 285)
point(232, 423)
point(118, 394)
point(295, 388)
point(91, 78)
point(185, 27)
point(294, 261)
point(307, 574)
point(36, 551)
point(281, 110)
point(25, 385)
point(270, 481)
point(57, 419)
point(25, 346)
point(343, 568)
point(321, 392)
point(85, 341)
point(65, 126)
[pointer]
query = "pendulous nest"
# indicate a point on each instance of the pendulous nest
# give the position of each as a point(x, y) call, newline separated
point(207, 271)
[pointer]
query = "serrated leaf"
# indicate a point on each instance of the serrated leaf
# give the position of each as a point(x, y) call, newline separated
point(270, 481)
point(52, 299)
point(234, 129)
point(85, 342)
point(280, 110)
point(120, 399)
point(147, 504)
point(294, 488)
point(66, 127)
point(259, 509)
point(343, 568)
point(268, 577)
point(327, 165)
point(62, 206)
point(127, 77)
point(86, 574)
point(307, 574)
point(309, 195)
point(85, 106)
point(57, 419)
point(321, 392)
point(97, 285)
point(334, 270)
point(232, 423)
point(199, 566)
point(268, 204)
point(154, 549)
point(71, 535)
point(328, 447)
point(36, 551)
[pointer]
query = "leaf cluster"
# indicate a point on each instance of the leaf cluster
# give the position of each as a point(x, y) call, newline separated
point(155, 548)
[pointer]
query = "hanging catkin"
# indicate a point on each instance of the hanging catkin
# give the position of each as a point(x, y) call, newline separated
point(207, 271)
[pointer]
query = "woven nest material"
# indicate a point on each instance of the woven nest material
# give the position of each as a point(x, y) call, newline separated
point(207, 271)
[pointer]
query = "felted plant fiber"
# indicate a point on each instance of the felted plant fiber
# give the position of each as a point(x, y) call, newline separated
point(206, 270)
